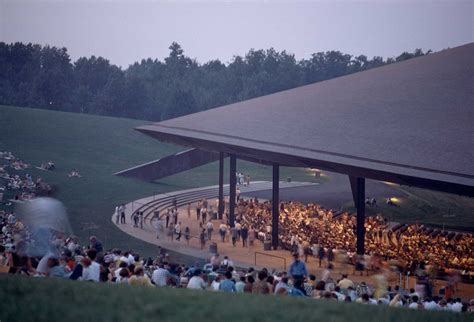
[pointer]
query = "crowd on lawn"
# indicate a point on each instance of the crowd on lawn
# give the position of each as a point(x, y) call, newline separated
point(24, 187)
point(66, 258)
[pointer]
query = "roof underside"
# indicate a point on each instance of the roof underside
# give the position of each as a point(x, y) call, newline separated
point(407, 121)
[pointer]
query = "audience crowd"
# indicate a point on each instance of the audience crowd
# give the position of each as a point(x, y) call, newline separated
point(21, 187)
point(66, 258)
point(312, 229)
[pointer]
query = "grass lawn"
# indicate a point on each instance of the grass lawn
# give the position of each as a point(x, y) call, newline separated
point(97, 147)
point(33, 299)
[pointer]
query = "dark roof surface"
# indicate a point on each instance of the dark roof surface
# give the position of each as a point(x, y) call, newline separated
point(413, 118)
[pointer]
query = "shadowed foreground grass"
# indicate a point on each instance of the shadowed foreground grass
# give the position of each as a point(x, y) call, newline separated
point(35, 299)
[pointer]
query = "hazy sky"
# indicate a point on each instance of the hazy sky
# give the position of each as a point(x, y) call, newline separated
point(127, 31)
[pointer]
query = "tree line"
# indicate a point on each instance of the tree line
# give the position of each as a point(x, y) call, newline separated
point(38, 76)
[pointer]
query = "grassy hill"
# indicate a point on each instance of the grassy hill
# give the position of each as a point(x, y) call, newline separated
point(97, 147)
point(32, 299)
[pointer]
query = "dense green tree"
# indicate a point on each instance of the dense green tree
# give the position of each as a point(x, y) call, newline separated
point(45, 77)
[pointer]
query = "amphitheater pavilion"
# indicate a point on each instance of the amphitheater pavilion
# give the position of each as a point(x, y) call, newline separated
point(409, 123)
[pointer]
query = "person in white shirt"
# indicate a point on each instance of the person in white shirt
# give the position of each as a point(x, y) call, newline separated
point(196, 282)
point(210, 229)
point(216, 283)
point(431, 305)
point(456, 306)
point(131, 259)
point(160, 276)
point(93, 271)
point(117, 214)
point(283, 283)
point(226, 262)
point(414, 304)
point(177, 231)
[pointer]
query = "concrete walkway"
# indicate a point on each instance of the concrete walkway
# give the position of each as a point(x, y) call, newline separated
point(149, 233)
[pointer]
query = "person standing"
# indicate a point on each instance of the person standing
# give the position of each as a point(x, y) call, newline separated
point(168, 217)
point(174, 216)
point(222, 231)
point(177, 231)
point(234, 234)
point(170, 230)
point(202, 238)
point(140, 219)
point(122, 214)
point(210, 229)
point(187, 235)
point(251, 236)
point(117, 214)
point(158, 226)
point(244, 234)
point(330, 255)
point(321, 254)
point(198, 210)
point(204, 214)
point(306, 250)
point(189, 210)
point(298, 269)
point(238, 226)
point(135, 219)
point(96, 244)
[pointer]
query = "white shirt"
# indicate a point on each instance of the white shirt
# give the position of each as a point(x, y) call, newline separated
point(160, 276)
point(197, 283)
point(456, 307)
point(432, 305)
point(42, 267)
point(125, 260)
point(117, 272)
point(92, 273)
point(131, 259)
point(215, 286)
point(413, 305)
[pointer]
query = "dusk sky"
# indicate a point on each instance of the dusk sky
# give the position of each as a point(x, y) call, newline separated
point(128, 31)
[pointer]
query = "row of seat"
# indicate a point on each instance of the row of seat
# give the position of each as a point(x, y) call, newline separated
point(182, 199)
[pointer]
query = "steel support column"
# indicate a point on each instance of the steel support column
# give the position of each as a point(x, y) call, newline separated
point(221, 206)
point(358, 192)
point(232, 183)
point(275, 205)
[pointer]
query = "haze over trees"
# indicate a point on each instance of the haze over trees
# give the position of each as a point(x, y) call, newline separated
point(45, 77)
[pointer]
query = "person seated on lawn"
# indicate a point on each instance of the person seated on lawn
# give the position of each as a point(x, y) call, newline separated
point(73, 174)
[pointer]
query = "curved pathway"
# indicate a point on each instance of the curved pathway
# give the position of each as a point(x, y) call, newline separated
point(242, 257)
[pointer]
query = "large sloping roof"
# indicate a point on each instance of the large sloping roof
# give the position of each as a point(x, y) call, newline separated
point(413, 119)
